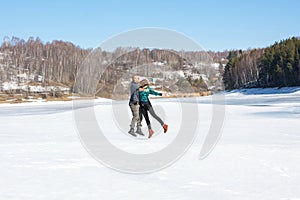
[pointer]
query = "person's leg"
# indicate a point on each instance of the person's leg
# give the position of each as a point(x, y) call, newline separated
point(165, 126)
point(135, 114)
point(139, 123)
point(135, 117)
point(151, 111)
point(140, 117)
point(144, 110)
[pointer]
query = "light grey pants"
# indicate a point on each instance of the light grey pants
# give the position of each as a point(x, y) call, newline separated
point(136, 115)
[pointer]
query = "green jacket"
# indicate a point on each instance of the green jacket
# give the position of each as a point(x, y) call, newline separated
point(144, 94)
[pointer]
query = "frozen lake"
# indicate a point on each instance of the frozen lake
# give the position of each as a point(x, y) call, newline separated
point(257, 156)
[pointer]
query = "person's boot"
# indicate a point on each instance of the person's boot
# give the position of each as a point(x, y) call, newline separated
point(165, 127)
point(131, 132)
point(151, 132)
point(139, 131)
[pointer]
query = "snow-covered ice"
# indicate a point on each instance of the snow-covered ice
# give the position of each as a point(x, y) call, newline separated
point(257, 157)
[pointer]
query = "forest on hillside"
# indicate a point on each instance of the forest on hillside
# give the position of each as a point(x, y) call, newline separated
point(86, 70)
point(100, 72)
point(274, 66)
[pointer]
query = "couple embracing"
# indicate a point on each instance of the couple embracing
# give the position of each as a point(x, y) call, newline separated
point(140, 106)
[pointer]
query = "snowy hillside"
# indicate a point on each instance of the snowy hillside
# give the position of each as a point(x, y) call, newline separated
point(257, 157)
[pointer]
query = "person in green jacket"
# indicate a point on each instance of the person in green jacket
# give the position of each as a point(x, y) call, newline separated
point(145, 106)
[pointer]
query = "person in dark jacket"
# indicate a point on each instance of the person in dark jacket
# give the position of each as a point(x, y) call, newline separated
point(135, 107)
point(147, 107)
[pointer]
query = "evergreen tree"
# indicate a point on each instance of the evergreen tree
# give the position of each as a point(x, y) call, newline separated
point(276, 66)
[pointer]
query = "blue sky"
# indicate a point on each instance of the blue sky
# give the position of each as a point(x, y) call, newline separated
point(215, 25)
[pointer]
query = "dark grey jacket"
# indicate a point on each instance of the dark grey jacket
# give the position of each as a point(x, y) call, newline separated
point(134, 92)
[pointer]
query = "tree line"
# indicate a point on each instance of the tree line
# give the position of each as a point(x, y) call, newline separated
point(57, 61)
point(60, 62)
point(274, 66)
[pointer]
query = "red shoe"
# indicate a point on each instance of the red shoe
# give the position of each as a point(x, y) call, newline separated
point(165, 127)
point(151, 132)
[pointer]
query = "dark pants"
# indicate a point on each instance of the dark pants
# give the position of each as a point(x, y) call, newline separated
point(147, 107)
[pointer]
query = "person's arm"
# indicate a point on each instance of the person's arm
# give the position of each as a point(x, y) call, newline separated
point(154, 92)
point(141, 88)
point(134, 88)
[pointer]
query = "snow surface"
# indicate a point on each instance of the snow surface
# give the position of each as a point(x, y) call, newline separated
point(14, 86)
point(257, 157)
